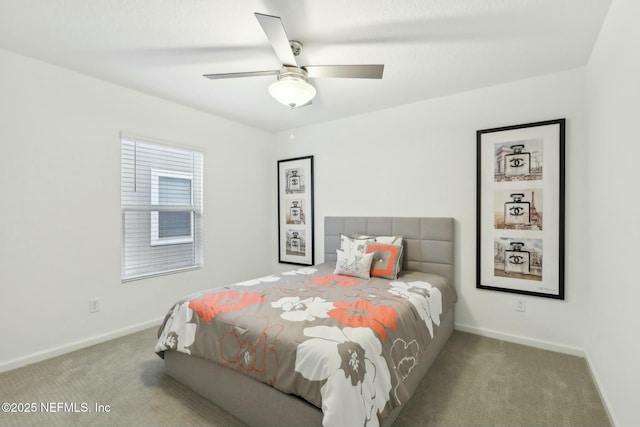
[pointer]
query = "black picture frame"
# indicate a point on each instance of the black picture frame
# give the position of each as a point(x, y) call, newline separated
point(521, 209)
point(295, 211)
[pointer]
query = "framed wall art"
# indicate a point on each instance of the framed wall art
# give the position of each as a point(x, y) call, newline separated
point(520, 209)
point(295, 211)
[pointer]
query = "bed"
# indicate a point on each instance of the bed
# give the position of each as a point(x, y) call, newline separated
point(322, 362)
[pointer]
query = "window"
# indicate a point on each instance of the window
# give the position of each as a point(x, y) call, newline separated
point(161, 208)
point(171, 189)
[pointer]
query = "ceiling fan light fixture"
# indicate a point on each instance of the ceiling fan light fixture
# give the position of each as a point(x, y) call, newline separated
point(292, 91)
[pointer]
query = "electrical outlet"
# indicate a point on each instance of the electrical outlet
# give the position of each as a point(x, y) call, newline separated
point(94, 305)
point(521, 305)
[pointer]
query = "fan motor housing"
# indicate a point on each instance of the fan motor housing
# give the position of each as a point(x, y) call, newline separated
point(292, 72)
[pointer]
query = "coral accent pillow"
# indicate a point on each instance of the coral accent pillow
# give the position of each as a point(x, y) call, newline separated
point(386, 259)
point(387, 240)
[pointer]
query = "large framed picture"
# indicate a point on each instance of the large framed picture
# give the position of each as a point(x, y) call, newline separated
point(295, 211)
point(520, 209)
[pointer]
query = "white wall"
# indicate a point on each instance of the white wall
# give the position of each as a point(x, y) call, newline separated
point(420, 160)
point(59, 216)
point(613, 320)
point(60, 207)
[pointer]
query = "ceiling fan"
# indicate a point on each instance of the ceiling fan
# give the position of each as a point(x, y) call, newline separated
point(291, 88)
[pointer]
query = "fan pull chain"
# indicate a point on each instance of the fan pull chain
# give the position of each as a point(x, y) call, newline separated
point(291, 135)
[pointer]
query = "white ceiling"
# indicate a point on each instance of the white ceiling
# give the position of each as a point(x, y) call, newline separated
point(430, 48)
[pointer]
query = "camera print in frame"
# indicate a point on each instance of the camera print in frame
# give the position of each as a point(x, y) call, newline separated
point(518, 160)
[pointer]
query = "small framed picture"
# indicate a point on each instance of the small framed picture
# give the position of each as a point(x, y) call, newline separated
point(295, 211)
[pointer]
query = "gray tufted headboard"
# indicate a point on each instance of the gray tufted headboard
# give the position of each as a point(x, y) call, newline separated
point(428, 242)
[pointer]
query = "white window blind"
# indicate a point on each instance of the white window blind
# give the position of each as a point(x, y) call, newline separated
point(161, 208)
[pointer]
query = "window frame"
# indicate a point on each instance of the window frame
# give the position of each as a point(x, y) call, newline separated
point(156, 240)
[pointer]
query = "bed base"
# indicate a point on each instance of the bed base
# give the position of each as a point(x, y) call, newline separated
point(261, 405)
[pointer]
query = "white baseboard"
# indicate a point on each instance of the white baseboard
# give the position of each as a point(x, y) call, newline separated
point(603, 396)
point(545, 345)
point(77, 345)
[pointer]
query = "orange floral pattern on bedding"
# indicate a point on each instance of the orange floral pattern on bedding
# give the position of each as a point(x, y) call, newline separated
point(210, 305)
point(364, 314)
point(335, 280)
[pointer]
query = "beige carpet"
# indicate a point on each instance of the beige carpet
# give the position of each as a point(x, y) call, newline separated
point(475, 381)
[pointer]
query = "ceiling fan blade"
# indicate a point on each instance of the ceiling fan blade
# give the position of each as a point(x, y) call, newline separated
point(372, 71)
point(246, 74)
point(273, 28)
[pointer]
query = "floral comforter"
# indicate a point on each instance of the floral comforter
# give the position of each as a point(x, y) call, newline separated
point(344, 344)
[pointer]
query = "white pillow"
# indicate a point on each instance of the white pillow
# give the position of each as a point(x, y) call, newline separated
point(354, 245)
point(354, 264)
point(387, 240)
